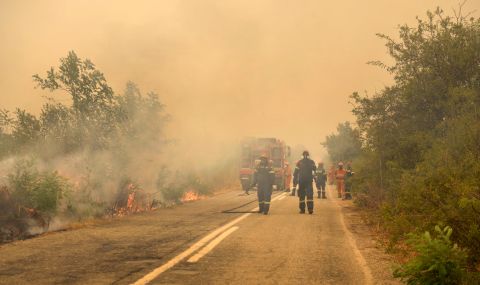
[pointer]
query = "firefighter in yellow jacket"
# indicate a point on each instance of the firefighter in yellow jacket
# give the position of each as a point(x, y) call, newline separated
point(264, 178)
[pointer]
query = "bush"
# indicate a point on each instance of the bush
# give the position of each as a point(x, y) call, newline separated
point(437, 260)
point(32, 189)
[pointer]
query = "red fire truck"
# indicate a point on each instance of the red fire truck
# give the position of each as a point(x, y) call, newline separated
point(277, 152)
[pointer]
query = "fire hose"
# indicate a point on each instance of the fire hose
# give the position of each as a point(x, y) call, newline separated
point(232, 210)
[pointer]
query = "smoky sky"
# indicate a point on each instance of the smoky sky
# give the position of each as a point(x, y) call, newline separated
point(224, 69)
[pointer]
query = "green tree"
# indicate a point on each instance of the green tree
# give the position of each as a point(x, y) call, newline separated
point(6, 140)
point(25, 129)
point(93, 101)
point(419, 162)
point(345, 145)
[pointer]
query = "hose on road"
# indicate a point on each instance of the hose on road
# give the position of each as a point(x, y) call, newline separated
point(232, 210)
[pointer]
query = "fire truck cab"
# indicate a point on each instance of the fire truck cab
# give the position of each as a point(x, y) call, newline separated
point(277, 152)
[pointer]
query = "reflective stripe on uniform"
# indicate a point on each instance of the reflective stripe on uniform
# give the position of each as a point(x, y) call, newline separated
point(302, 201)
point(267, 203)
point(261, 202)
point(309, 200)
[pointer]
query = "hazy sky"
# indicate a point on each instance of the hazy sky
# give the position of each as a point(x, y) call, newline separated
point(224, 69)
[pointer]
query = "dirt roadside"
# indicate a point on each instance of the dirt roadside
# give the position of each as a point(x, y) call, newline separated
point(380, 263)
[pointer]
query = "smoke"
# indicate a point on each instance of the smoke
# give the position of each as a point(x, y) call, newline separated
point(225, 69)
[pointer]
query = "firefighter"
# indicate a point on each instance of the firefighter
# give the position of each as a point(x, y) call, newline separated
point(321, 180)
point(263, 178)
point(288, 176)
point(303, 176)
point(348, 181)
point(340, 178)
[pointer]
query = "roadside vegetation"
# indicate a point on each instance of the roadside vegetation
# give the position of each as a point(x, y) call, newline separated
point(419, 161)
point(89, 153)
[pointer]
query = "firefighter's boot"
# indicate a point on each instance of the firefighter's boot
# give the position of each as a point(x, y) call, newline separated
point(260, 207)
point(310, 205)
point(266, 207)
point(301, 205)
point(319, 194)
point(293, 192)
point(324, 196)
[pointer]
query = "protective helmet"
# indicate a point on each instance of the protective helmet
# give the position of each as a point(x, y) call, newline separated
point(340, 163)
point(306, 153)
point(263, 156)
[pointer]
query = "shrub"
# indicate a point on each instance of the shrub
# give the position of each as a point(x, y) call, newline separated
point(437, 260)
point(41, 191)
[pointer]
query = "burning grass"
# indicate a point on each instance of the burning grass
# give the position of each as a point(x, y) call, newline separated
point(34, 202)
point(190, 196)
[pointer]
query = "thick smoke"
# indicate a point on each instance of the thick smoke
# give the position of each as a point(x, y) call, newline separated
point(223, 70)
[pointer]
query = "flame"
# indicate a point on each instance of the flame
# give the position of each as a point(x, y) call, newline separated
point(190, 196)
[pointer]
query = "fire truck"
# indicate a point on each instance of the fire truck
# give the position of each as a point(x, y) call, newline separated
point(277, 152)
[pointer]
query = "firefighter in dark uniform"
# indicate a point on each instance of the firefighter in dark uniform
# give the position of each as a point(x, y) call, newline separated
point(263, 177)
point(321, 180)
point(303, 177)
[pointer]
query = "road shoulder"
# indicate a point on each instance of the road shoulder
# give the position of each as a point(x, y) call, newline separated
point(379, 262)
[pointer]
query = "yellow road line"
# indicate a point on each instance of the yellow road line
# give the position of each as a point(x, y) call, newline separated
point(172, 262)
point(211, 245)
point(196, 246)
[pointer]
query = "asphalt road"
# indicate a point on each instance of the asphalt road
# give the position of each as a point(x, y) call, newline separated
point(212, 241)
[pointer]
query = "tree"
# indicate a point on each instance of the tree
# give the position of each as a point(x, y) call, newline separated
point(423, 132)
point(85, 84)
point(345, 145)
point(6, 139)
point(26, 128)
point(93, 101)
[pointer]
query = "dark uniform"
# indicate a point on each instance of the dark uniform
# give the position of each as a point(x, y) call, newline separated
point(303, 176)
point(321, 181)
point(264, 178)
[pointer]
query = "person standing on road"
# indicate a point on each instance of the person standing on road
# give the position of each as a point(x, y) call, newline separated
point(321, 180)
point(303, 177)
point(340, 178)
point(263, 178)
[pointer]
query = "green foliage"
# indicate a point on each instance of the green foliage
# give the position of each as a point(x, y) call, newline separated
point(142, 116)
point(420, 161)
point(58, 127)
point(170, 190)
point(97, 118)
point(438, 260)
point(87, 86)
point(37, 190)
point(97, 138)
point(345, 145)
point(26, 128)
point(92, 118)
point(48, 192)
